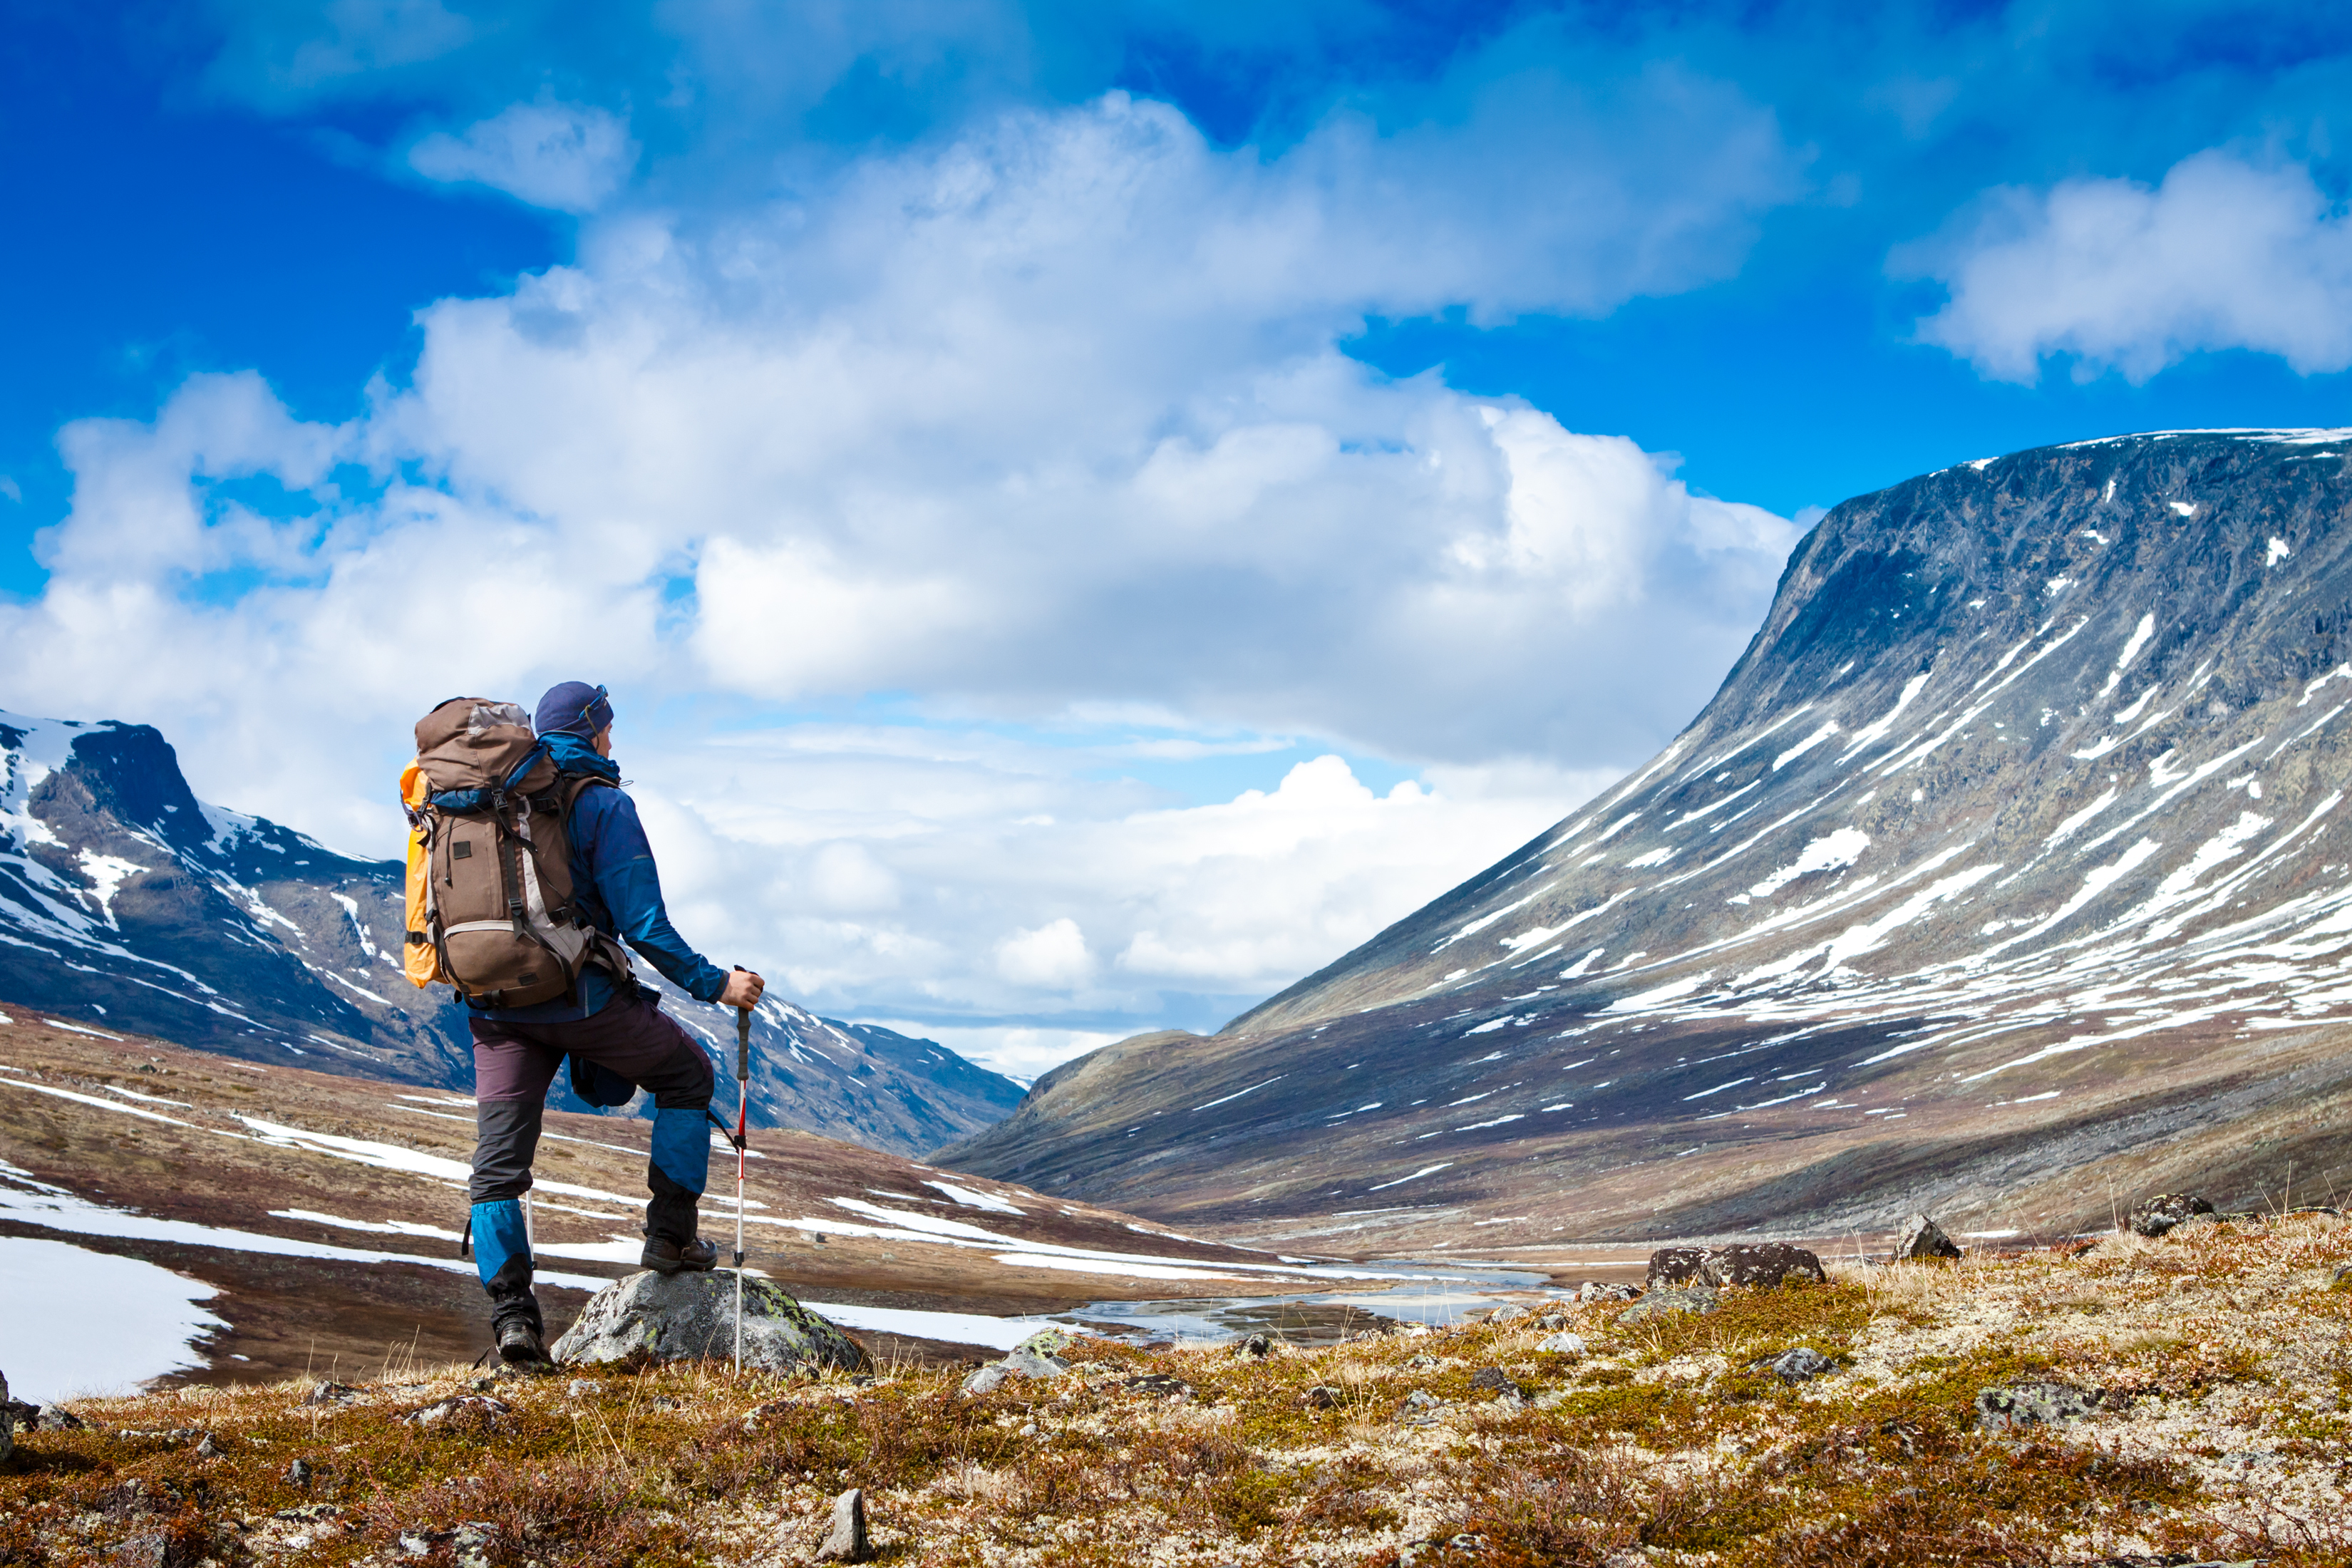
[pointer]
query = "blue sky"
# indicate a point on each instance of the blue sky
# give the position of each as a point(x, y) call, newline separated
point(968, 433)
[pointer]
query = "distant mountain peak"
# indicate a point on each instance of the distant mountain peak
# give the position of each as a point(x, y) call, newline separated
point(124, 897)
point(2017, 831)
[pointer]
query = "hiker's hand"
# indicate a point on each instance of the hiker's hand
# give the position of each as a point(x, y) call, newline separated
point(743, 989)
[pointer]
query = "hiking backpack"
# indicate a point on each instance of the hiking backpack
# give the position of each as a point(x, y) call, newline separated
point(490, 909)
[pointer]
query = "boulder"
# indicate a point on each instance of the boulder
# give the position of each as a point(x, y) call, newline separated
point(1510, 1314)
point(1254, 1347)
point(7, 1421)
point(1563, 1344)
point(1593, 1290)
point(2033, 1405)
point(687, 1317)
point(1798, 1365)
point(2153, 1216)
point(1922, 1238)
point(1761, 1266)
point(1754, 1265)
point(1673, 1266)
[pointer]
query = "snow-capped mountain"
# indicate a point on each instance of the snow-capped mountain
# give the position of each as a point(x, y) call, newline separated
point(2015, 842)
point(128, 903)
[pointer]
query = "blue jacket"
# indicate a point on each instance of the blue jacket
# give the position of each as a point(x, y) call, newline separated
point(616, 885)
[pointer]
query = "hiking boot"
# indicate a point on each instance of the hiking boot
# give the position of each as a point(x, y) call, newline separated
point(664, 1256)
point(520, 1344)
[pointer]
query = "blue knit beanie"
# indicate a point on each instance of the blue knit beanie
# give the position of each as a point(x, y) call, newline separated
point(574, 708)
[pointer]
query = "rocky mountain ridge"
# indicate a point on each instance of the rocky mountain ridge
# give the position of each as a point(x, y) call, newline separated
point(128, 903)
point(2013, 843)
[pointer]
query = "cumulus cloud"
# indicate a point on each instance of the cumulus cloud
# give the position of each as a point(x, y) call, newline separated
point(2224, 254)
point(1046, 427)
point(565, 156)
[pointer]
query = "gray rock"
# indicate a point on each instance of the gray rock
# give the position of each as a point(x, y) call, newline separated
point(1322, 1397)
point(847, 1541)
point(1552, 1321)
point(2164, 1212)
point(1510, 1314)
point(1254, 1347)
point(1593, 1290)
point(687, 1317)
point(1922, 1238)
point(299, 1473)
point(8, 1423)
point(1048, 1342)
point(1799, 1364)
point(209, 1447)
point(1161, 1386)
point(1495, 1380)
point(1563, 1344)
point(1021, 1362)
point(470, 1544)
point(1662, 1303)
point(2038, 1404)
point(330, 1393)
point(58, 1418)
point(1420, 1408)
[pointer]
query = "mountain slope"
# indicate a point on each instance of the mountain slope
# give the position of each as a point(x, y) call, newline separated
point(2014, 842)
point(127, 902)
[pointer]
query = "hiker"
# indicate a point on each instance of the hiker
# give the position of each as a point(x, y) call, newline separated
point(612, 1029)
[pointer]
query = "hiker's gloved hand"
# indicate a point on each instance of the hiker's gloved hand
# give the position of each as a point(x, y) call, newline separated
point(743, 989)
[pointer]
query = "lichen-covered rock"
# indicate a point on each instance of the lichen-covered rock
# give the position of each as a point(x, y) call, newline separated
point(2033, 1405)
point(1761, 1266)
point(1022, 1362)
point(7, 1421)
point(1563, 1344)
point(686, 1317)
point(1800, 1364)
point(1660, 1304)
point(2163, 1212)
point(1673, 1266)
point(1922, 1240)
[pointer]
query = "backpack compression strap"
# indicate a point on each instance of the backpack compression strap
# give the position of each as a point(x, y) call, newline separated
point(487, 799)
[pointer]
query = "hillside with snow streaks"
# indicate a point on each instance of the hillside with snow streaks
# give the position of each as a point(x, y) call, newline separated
point(2016, 842)
point(127, 903)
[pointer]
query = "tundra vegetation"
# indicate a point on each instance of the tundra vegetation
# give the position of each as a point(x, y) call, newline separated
point(2191, 1393)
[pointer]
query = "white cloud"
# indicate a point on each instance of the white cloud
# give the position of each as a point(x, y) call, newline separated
point(1050, 958)
point(566, 156)
point(2224, 254)
point(1043, 434)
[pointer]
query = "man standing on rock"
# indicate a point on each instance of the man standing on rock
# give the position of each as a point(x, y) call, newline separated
point(613, 1025)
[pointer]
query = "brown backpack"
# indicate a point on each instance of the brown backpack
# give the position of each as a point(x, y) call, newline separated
point(490, 862)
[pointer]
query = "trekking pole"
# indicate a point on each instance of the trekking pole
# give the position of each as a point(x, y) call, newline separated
point(742, 1124)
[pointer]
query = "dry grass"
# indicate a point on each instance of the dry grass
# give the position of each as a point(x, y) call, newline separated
point(2220, 1364)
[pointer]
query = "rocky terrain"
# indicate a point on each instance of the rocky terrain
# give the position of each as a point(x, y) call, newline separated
point(319, 1216)
point(2176, 1401)
point(126, 902)
point(2009, 869)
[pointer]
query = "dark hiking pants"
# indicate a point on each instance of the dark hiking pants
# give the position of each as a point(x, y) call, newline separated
point(513, 1065)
